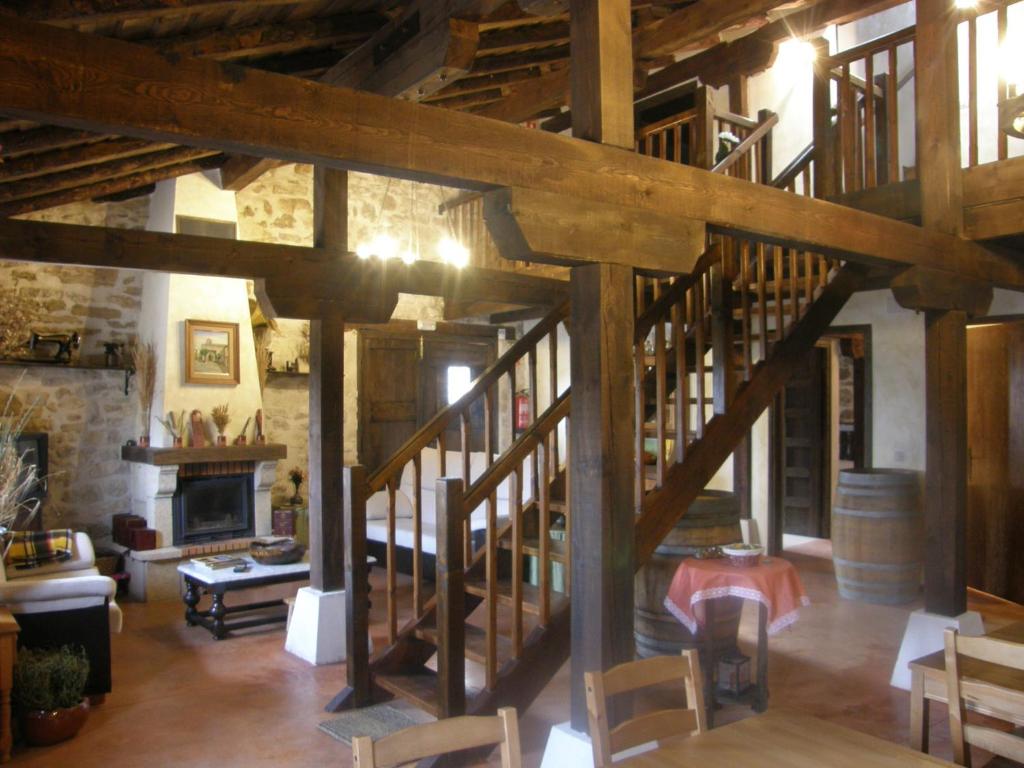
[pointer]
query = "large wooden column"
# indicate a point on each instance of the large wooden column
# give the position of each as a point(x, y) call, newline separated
point(602, 425)
point(938, 159)
point(601, 447)
point(326, 399)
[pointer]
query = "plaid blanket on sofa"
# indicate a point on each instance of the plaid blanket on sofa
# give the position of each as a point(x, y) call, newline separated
point(30, 549)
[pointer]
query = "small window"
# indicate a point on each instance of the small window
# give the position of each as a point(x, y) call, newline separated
point(459, 379)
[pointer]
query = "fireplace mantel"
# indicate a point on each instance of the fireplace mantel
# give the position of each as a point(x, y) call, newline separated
point(162, 457)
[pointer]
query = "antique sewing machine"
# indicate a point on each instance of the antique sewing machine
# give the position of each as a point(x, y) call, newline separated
point(64, 342)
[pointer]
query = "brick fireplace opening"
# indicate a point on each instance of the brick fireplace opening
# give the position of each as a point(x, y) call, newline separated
point(213, 502)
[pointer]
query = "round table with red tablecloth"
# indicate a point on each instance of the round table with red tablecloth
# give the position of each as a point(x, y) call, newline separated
point(774, 584)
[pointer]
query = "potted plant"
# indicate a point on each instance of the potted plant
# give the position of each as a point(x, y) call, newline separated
point(296, 476)
point(49, 687)
point(221, 419)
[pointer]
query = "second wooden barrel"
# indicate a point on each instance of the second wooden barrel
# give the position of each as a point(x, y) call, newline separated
point(877, 535)
point(714, 518)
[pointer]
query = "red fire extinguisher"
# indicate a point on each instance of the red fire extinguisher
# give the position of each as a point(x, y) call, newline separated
point(522, 410)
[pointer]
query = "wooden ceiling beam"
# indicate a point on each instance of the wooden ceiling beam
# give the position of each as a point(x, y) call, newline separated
point(67, 13)
point(311, 277)
point(106, 188)
point(58, 76)
point(515, 39)
point(696, 23)
point(44, 139)
point(525, 99)
point(555, 229)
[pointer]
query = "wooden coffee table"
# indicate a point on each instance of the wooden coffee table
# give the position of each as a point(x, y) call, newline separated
point(200, 581)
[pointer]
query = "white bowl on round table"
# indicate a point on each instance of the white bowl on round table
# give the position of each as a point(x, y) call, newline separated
point(746, 557)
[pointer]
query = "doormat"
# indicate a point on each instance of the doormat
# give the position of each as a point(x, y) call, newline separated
point(375, 721)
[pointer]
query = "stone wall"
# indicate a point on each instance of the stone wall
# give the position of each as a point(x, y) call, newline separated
point(84, 411)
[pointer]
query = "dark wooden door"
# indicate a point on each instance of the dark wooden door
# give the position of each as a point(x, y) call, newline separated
point(805, 450)
point(995, 439)
point(388, 395)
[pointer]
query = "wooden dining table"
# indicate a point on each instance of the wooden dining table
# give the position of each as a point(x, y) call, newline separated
point(780, 738)
point(928, 683)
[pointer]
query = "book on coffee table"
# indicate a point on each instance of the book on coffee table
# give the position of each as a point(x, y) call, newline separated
point(216, 562)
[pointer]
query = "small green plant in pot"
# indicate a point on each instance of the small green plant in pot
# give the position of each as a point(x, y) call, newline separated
point(49, 686)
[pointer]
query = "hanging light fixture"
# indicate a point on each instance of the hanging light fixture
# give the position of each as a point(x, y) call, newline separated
point(453, 252)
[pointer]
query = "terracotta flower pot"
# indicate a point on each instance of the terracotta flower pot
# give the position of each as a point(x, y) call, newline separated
point(222, 440)
point(144, 441)
point(43, 728)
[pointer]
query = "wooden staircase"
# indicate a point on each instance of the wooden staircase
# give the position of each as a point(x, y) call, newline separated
point(480, 635)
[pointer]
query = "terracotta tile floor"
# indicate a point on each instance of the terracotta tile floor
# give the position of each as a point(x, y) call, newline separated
point(182, 699)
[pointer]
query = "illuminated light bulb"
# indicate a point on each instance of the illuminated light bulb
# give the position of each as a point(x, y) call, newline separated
point(795, 54)
point(384, 246)
point(364, 251)
point(408, 257)
point(1011, 63)
point(966, 5)
point(453, 252)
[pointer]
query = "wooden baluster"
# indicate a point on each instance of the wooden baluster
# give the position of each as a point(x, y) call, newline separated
point(858, 136)
point(822, 271)
point(677, 143)
point(808, 278)
point(870, 179)
point(417, 534)
point(567, 570)
point(847, 129)
point(892, 116)
point(762, 298)
point(466, 436)
point(805, 179)
point(512, 405)
point(451, 600)
point(794, 288)
point(442, 453)
point(778, 280)
point(489, 425)
point(639, 372)
point(516, 510)
point(531, 359)
point(1002, 145)
point(660, 395)
point(553, 365)
point(698, 303)
point(357, 610)
point(972, 92)
point(682, 379)
point(491, 568)
point(745, 255)
point(392, 573)
point(544, 531)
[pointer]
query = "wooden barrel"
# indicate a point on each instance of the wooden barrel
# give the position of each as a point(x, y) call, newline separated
point(877, 535)
point(714, 518)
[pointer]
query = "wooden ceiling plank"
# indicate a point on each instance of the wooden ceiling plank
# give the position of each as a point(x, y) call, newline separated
point(93, 12)
point(44, 139)
point(102, 188)
point(100, 172)
point(58, 76)
point(66, 159)
point(526, 99)
point(695, 23)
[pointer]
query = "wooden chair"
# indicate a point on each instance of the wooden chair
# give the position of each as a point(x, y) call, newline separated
point(451, 735)
point(632, 676)
point(963, 734)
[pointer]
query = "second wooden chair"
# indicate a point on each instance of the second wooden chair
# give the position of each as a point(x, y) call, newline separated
point(452, 735)
point(963, 734)
point(632, 676)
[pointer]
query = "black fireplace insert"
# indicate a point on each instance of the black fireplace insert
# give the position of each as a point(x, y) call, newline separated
point(213, 508)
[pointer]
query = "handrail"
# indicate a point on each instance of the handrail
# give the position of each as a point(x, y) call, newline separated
point(429, 431)
point(899, 37)
point(746, 145)
point(667, 122)
point(495, 474)
point(674, 293)
point(740, 120)
point(795, 168)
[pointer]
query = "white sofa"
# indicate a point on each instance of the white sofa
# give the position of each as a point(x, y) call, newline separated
point(68, 602)
point(377, 505)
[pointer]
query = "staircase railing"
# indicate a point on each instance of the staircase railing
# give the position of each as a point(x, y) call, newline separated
point(797, 177)
point(482, 402)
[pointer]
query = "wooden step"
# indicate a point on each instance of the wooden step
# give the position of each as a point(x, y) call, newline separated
point(476, 643)
point(531, 546)
point(531, 595)
point(418, 686)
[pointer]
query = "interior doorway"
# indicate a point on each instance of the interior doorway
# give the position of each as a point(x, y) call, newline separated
point(995, 443)
point(821, 424)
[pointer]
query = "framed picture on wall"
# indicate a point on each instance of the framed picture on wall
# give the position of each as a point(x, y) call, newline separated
point(211, 352)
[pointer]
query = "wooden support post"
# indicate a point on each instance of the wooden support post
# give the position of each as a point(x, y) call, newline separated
point(326, 453)
point(451, 597)
point(702, 154)
point(356, 692)
point(326, 402)
point(945, 500)
point(601, 438)
point(824, 135)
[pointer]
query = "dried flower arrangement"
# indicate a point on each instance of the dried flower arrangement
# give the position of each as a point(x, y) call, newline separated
point(144, 362)
point(175, 425)
point(296, 476)
point(17, 474)
point(303, 350)
point(221, 418)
